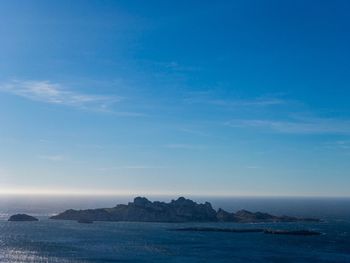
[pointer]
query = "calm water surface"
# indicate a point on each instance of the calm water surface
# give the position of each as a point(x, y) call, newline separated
point(66, 241)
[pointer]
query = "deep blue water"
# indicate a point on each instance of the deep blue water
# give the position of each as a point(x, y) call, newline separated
point(65, 241)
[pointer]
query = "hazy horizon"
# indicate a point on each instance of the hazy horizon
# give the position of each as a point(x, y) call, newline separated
point(78, 193)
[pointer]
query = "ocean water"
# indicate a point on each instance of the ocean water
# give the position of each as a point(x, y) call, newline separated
point(69, 241)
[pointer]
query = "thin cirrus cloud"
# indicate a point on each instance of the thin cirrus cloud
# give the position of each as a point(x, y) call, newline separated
point(257, 102)
point(297, 126)
point(193, 132)
point(53, 158)
point(131, 167)
point(336, 145)
point(53, 93)
point(343, 145)
point(185, 146)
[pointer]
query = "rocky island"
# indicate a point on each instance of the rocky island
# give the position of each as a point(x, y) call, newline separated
point(176, 211)
point(22, 217)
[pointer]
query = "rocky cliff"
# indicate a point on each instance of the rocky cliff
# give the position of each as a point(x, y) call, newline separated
point(180, 210)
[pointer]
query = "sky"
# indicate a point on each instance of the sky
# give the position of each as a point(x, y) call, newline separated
point(175, 97)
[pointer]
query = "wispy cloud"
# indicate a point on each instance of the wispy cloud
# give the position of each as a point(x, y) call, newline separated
point(53, 93)
point(175, 66)
point(256, 102)
point(296, 126)
point(343, 145)
point(193, 131)
point(185, 146)
point(53, 158)
point(131, 167)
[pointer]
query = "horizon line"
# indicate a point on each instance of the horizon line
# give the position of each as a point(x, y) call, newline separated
point(79, 193)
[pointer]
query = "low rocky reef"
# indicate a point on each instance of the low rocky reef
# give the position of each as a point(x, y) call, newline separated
point(250, 230)
point(176, 211)
point(22, 217)
point(85, 221)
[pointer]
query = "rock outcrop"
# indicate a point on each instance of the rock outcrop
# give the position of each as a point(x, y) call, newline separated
point(22, 217)
point(180, 210)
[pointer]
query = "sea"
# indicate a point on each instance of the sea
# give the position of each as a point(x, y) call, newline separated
point(68, 241)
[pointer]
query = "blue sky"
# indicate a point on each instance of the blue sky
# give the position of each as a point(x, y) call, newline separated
point(182, 97)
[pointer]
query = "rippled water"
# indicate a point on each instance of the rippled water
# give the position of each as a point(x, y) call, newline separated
point(66, 241)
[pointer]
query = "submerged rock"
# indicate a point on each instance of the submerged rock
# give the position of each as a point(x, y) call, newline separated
point(22, 217)
point(250, 230)
point(216, 229)
point(292, 232)
point(85, 221)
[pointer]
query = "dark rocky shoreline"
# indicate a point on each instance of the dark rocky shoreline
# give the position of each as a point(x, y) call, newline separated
point(176, 211)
